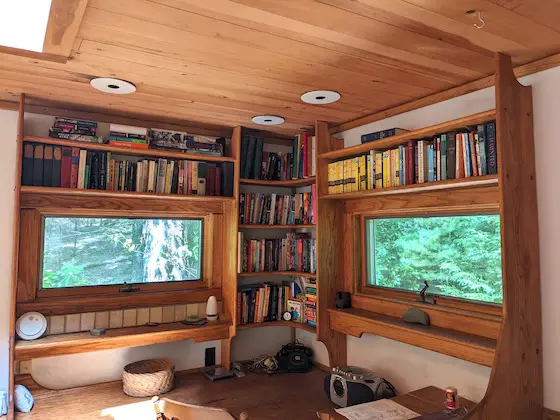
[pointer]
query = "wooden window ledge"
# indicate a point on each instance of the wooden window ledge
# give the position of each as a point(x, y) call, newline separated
point(83, 342)
point(468, 347)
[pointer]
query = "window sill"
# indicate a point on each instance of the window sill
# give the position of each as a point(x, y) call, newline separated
point(356, 322)
point(83, 342)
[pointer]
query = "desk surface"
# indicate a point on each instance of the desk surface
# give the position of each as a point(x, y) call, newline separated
point(423, 401)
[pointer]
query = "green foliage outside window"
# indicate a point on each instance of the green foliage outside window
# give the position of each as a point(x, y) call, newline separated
point(105, 251)
point(459, 256)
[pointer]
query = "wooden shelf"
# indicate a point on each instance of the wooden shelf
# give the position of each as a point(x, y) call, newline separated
point(290, 183)
point(472, 182)
point(155, 153)
point(255, 226)
point(394, 141)
point(469, 347)
point(278, 273)
point(120, 194)
point(299, 325)
point(55, 345)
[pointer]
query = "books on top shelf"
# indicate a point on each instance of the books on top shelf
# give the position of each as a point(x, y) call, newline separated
point(277, 209)
point(276, 166)
point(267, 302)
point(452, 155)
point(137, 137)
point(378, 135)
point(72, 167)
point(295, 252)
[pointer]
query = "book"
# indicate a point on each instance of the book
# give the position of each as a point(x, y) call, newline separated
point(27, 165)
point(66, 168)
point(129, 129)
point(81, 183)
point(257, 166)
point(443, 150)
point(491, 151)
point(38, 154)
point(48, 166)
point(56, 167)
point(481, 131)
point(451, 155)
point(296, 309)
point(378, 135)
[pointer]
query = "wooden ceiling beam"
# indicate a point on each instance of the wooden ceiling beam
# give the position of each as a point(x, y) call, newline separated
point(520, 71)
point(64, 22)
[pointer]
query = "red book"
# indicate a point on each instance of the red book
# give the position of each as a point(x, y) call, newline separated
point(128, 145)
point(218, 181)
point(238, 310)
point(189, 177)
point(473, 154)
point(74, 169)
point(410, 163)
point(66, 168)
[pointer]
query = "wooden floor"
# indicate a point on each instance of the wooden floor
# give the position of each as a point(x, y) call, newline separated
point(281, 396)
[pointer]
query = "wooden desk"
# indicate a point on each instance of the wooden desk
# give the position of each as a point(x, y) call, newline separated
point(423, 401)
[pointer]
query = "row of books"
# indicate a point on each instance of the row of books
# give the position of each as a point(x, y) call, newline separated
point(275, 209)
point(72, 167)
point(267, 302)
point(136, 137)
point(259, 164)
point(296, 252)
point(446, 156)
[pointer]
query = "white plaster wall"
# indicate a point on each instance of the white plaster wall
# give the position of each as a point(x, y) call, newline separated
point(409, 367)
point(8, 133)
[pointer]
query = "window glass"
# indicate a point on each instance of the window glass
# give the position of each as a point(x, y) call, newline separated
point(104, 251)
point(459, 256)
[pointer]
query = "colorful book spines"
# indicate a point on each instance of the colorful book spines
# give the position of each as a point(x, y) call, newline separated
point(451, 155)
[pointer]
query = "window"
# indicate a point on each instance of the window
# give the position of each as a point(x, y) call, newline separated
point(108, 251)
point(459, 256)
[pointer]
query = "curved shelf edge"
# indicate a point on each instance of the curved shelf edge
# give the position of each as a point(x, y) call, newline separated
point(291, 324)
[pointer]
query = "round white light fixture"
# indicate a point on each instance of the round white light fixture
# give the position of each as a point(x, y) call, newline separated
point(110, 85)
point(268, 120)
point(320, 97)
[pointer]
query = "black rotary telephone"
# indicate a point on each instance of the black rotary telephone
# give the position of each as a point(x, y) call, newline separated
point(295, 358)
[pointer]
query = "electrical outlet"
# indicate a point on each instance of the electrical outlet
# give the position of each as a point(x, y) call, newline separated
point(210, 356)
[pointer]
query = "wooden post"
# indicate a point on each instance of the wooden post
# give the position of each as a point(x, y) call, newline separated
point(515, 390)
point(329, 252)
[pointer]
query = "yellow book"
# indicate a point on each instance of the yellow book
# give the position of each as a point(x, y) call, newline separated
point(330, 177)
point(355, 174)
point(390, 168)
point(341, 177)
point(363, 173)
point(397, 171)
point(346, 169)
point(369, 171)
point(386, 179)
point(337, 177)
point(378, 170)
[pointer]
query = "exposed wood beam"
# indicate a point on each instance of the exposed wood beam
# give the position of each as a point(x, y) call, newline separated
point(64, 21)
point(33, 54)
point(520, 71)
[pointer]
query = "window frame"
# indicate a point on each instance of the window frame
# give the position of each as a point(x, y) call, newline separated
point(395, 293)
point(116, 288)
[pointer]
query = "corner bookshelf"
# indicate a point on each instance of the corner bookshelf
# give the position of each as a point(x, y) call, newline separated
point(288, 186)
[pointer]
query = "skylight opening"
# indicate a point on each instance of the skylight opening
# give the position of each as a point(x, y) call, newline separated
point(24, 23)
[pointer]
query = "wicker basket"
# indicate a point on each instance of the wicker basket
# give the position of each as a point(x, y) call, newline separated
point(147, 378)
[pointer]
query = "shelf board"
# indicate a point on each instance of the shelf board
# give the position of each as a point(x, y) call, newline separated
point(469, 347)
point(155, 153)
point(472, 182)
point(255, 226)
point(299, 325)
point(289, 183)
point(59, 344)
point(278, 273)
point(394, 141)
point(120, 194)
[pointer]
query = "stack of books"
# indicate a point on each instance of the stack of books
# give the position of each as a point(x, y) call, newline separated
point(267, 302)
point(453, 155)
point(183, 142)
point(78, 130)
point(275, 166)
point(72, 167)
point(127, 136)
point(310, 313)
point(296, 252)
point(274, 209)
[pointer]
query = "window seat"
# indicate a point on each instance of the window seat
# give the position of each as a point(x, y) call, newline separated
point(468, 347)
point(83, 342)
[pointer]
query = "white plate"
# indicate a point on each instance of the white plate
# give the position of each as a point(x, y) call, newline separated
point(31, 325)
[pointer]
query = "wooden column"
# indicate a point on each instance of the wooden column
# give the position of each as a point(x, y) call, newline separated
point(515, 390)
point(329, 251)
point(229, 285)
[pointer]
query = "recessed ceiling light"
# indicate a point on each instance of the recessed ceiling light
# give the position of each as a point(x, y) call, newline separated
point(318, 97)
point(268, 120)
point(110, 85)
point(24, 24)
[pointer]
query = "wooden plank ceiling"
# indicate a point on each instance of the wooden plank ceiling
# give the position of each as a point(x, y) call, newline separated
point(221, 62)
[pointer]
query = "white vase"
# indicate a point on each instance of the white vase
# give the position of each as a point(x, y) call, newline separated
point(212, 309)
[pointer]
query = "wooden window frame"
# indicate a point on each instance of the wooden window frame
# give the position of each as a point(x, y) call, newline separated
point(472, 317)
point(30, 295)
point(112, 289)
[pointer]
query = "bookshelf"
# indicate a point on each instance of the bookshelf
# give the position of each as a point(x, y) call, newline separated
point(291, 183)
point(291, 324)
